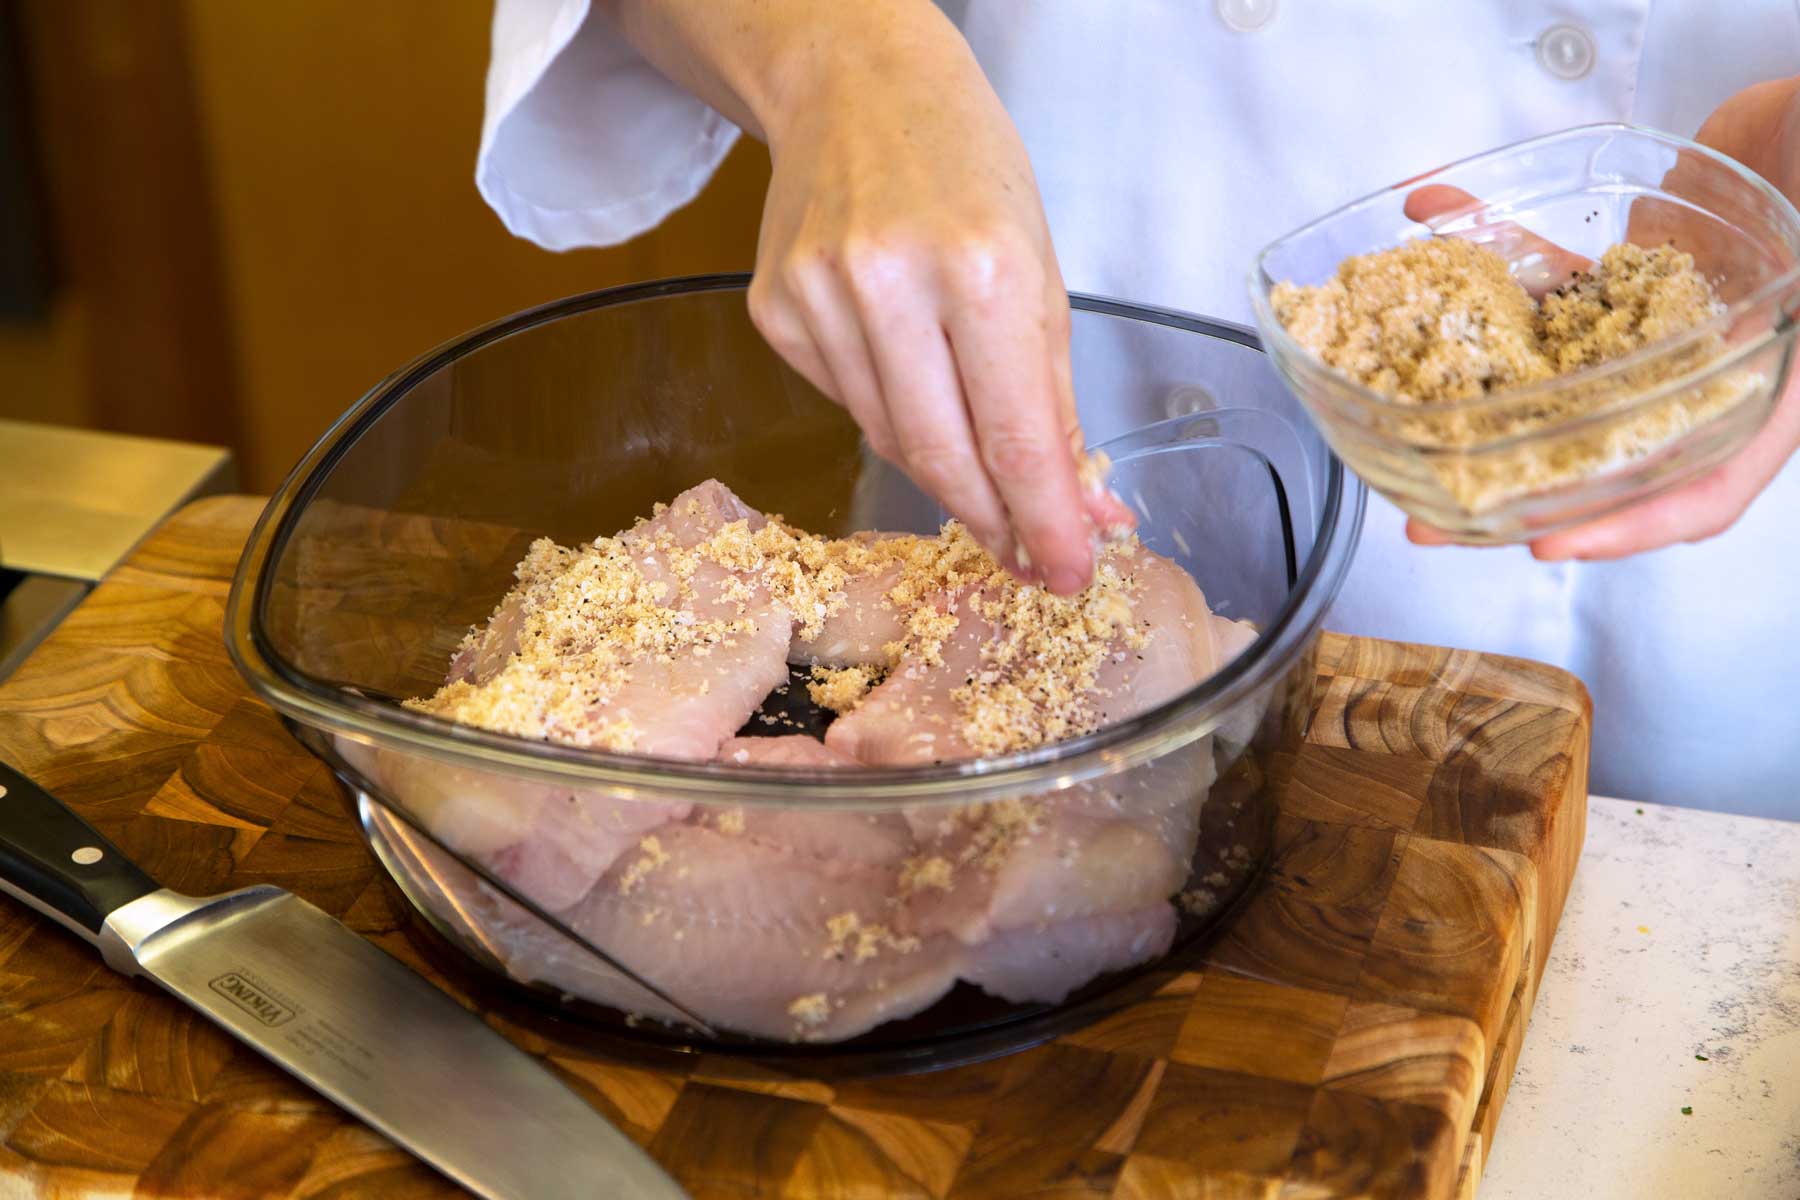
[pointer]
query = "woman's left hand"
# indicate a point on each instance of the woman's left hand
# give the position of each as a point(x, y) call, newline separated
point(1760, 127)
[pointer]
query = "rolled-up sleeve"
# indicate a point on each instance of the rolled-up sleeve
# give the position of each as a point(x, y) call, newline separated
point(584, 143)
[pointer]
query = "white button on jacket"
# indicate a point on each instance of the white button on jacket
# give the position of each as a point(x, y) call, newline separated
point(1566, 51)
point(1174, 138)
point(1246, 16)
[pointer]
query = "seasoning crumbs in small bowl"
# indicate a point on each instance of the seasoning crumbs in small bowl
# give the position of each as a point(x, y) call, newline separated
point(1578, 323)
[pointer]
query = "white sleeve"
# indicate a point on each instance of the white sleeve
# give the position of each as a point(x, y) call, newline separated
point(584, 143)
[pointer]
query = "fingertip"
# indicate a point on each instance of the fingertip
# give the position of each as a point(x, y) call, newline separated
point(1435, 201)
point(1421, 534)
point(1066, 580)
point(1554, 549)
point(1109, 514)
point(1017, 560)
point(1064, 567)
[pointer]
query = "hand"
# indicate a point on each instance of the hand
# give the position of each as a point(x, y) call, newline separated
point(1760, 127)
point(904, 265)
point(905, 268)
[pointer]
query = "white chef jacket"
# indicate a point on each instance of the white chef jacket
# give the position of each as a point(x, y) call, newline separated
point(1171, 139)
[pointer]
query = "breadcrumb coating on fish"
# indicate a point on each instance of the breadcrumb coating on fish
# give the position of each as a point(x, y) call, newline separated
point(849, 936)
point(841, 689)
point(932, 872)
point(653, 856)
point(810, 1011)
point(592, 613)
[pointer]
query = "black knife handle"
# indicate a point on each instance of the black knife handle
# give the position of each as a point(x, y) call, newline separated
point(59, 864)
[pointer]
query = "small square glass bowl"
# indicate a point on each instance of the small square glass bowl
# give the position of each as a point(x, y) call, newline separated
point(1518, 464)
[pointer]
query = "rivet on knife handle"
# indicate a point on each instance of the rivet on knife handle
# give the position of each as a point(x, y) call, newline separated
point(57, 863)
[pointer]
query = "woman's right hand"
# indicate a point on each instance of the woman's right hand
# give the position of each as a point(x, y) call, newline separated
point(905, 268)
point(904, 265)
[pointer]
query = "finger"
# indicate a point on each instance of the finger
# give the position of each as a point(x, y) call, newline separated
point(1540, 264)
point(782, 325)
point(1436, 203)
point(1699, 510)
point(830, 317)
point(1105, 511)
point(1004, 356)
point(922, 396)
point(1421, 534)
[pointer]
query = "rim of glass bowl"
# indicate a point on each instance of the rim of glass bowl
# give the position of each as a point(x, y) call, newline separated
point(1116, 748)
point(1282, 345)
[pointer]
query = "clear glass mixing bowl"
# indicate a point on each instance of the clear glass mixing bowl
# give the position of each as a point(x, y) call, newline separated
point(401, 528)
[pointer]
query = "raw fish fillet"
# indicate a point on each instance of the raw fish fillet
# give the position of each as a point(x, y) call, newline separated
point(1092, 850)
point(787, 750)
point(810, 922)
point(1235, 728)
point(1181, 650)
point(686, 707)
point(844, 835)
point(854, 635)
point(1043, 965)
point(910, 718)
point(1230, 639)
point(481, 658)
point(525, 947)
point(739, 930)
point(551, 844)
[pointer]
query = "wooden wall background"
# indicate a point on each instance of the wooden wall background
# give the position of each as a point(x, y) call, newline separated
point(257, 210)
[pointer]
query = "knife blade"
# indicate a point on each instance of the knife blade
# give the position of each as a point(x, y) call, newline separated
point(329, 1007)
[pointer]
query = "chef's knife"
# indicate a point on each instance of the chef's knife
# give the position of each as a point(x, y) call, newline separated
point(348, 1020)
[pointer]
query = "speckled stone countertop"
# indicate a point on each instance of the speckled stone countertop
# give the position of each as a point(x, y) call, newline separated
point(1663, 1056)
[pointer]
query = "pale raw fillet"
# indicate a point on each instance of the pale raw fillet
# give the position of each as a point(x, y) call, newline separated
point(738, 930)
point(1230, 639)
point(786, 750)
point(847, 835)
point(695, 515)
point(528, 949)
point(1235, 728)
point(910, 718)
point(485, 653)
point(1090, 850)
point(1074, 866)
point(854, 635)
point(1043, 964)
point(572, 841)
point(685, 707)
point(1180, 652)
point(551, 844)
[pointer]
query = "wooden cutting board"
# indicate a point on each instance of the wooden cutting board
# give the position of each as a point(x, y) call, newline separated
point(1352, 1033)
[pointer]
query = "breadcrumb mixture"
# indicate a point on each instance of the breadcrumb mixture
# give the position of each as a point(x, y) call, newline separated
point(1635, 297)
point(653, 856)
point(1438, 320)
point(849, 936)
point(841, 689)
point(996, 828)
point(1430, 321)
point(1441, 320)
point(932, 872)
point(810, 1011)
point(592, 612)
